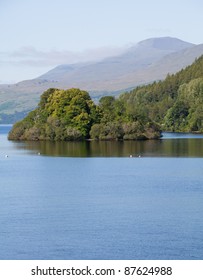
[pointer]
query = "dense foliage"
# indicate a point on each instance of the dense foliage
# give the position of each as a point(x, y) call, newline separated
point(72, 115)
point(176, 103)
point(117, 122)
point(61, 115)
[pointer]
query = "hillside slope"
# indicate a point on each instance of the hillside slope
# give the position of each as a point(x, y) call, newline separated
point(107, 75)
point(176, 103)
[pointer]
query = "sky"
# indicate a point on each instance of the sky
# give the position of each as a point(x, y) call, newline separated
point(38, 35)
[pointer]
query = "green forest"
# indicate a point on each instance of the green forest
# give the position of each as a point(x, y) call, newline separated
point(175, 104)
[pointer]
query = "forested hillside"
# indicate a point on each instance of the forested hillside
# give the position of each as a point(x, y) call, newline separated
point(175, 103)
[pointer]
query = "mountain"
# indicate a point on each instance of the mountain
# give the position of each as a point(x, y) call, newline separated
point(107, 75)
point(168, 64)
point(147, 61)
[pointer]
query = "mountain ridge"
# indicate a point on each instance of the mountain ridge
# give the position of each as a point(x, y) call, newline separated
point(136, 57)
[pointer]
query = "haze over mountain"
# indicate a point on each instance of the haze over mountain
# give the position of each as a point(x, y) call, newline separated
point(107, 75)
point(147, 61)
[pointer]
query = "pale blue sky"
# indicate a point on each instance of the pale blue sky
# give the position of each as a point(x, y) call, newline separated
point(37, 35)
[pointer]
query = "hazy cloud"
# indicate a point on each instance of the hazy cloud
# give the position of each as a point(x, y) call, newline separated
point(29, 62)
point(36, 58)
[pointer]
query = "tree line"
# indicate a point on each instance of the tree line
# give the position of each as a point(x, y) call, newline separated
point(65, 115)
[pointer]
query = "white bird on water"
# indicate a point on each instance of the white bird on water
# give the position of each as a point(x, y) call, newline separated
point(6, 156)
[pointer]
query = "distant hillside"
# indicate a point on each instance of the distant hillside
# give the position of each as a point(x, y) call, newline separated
point(175, 103)
point(111, 74)
point(147, 61)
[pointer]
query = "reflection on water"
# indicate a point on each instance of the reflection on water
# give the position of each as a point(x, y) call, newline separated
point(153, 148)
point(170, 145)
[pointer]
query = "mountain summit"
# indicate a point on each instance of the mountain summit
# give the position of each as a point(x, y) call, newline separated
point(165, 43)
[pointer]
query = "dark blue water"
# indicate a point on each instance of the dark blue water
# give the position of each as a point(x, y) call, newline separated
point(55, 207)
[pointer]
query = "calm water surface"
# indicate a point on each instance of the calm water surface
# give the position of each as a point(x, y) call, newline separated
point(92, 201)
